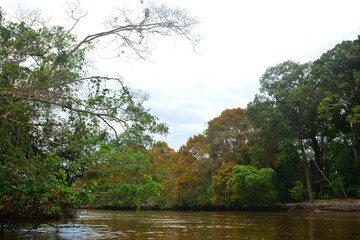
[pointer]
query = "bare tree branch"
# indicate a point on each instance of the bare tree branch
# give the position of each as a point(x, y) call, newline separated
point(73, 10)
point(157, 20)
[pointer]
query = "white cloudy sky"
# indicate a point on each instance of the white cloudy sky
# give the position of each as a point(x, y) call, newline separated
point(240, 40)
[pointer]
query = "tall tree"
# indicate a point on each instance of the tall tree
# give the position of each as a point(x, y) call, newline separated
point(287, 85)
point(272, 144)
point(338, 73)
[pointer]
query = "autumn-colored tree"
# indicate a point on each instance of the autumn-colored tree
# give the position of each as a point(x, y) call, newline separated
point(163, 157)
point(228, 137)
point(223, 196)
point(192, 172)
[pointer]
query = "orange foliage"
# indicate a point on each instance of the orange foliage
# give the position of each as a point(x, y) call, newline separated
point(191, 169)
point(228, 136)
point(223, 194)
point(162, 158)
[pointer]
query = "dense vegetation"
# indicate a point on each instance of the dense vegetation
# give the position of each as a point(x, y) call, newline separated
point(298, 140)
point(68, 139)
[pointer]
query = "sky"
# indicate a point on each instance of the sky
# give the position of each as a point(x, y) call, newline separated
point(240, 40)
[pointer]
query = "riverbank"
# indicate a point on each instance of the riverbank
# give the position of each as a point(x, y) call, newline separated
point(343, 205)
point(193, 208)
point(348, 205)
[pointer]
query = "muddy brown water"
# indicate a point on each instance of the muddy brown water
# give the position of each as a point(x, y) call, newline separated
point(99, 224)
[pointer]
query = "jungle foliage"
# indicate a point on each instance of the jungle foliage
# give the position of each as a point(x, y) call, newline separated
point(69, 139)
point(298, 140)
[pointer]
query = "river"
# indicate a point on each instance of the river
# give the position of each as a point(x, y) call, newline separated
point(99, 224)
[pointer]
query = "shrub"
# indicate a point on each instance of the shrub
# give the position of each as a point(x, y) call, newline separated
point(252, 187)
point(298, 192)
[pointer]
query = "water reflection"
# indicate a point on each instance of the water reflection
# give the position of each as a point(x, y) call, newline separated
point(202, 225)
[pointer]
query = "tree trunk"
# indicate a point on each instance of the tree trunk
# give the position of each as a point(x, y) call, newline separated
point(356, 147)
point(315, 147)
point(306, 170)
point(304, 161)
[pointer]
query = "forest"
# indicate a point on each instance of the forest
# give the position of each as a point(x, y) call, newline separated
point(70, 140)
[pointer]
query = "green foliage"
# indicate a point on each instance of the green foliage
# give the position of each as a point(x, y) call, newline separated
point(338, 72)
point(123, 177)
point(58, 124)
point(38, 191)
point(298, 192)
point(253, 187)
point(135, 195)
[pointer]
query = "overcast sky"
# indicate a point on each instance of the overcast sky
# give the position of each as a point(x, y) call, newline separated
point(241, 39)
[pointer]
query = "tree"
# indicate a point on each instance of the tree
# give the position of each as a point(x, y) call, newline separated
point(338, 73)
point(272, 144)
point(193, 173)
point(271, 130)
point(287, 86)
point(123, 177)
point(223, 195)
point(54, 116)
point(163, 158)
point(228, 137)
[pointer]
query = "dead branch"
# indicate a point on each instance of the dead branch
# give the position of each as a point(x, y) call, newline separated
point(157, 20)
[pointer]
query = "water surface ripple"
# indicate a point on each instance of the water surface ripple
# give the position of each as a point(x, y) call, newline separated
point(174, 225)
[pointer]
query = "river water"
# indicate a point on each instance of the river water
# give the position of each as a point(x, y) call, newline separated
point(175, 225)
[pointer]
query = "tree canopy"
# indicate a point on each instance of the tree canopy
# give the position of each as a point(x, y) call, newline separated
point(61, 127)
